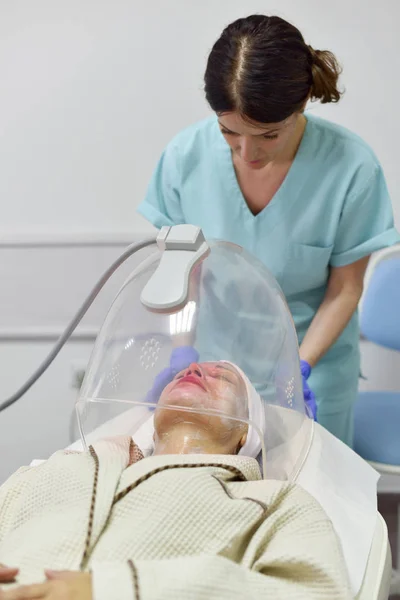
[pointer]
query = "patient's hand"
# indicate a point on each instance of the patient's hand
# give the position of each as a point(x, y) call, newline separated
point(60, 585)
point(7, 574)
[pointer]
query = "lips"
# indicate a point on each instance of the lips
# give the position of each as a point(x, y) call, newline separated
point(191, 379)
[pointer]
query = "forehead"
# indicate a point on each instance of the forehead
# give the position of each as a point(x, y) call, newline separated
point(235, 123)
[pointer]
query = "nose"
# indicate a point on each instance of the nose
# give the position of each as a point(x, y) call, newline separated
point(248, 149)
point(194, 369)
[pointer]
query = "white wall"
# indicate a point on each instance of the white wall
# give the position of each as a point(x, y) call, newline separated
point(43, 284)
point(91, 91)
point(44, 419)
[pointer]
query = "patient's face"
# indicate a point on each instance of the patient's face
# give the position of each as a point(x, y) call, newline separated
point(214, 386)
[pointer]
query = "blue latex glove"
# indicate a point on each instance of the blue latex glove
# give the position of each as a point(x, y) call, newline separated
point(180, 359)
point(309, 396)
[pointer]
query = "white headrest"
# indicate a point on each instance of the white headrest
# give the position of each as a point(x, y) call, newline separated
point(252, 447)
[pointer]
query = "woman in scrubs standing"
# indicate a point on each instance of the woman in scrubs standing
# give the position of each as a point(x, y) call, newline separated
point(305, 196)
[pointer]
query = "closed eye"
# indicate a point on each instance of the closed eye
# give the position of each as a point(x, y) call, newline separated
point(223, 373)
point(226, 132)
point(266, 136)
point(224, 377)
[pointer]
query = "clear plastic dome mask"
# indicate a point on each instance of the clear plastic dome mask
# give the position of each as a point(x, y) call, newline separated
point(235, 321)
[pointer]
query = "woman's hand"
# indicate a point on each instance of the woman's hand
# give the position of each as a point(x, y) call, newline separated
point(7, 574)
point(60, 585)
point(309, 396)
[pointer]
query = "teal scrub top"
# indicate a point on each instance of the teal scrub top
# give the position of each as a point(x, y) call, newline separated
point(332, 209)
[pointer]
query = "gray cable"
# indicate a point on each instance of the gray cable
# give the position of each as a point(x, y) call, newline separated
point(77, 319)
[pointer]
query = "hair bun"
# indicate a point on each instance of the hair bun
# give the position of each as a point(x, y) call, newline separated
point(325, 75)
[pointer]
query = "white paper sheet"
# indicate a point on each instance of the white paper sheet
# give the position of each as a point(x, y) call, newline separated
point(346, 487)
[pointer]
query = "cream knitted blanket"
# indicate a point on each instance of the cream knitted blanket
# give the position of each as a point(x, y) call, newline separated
point(192, 527)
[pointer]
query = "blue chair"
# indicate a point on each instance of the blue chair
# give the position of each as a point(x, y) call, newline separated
point(377, 413)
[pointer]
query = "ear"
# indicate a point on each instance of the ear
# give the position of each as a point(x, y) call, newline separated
point(242, 441)
point(306, 101)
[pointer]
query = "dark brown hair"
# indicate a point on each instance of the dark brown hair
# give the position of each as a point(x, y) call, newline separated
point(262, 68)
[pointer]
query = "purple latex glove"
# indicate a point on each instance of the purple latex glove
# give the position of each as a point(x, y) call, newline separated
point(181, 358)
point(309, 396)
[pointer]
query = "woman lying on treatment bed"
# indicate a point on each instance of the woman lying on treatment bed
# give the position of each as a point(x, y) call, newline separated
point(193, 520)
